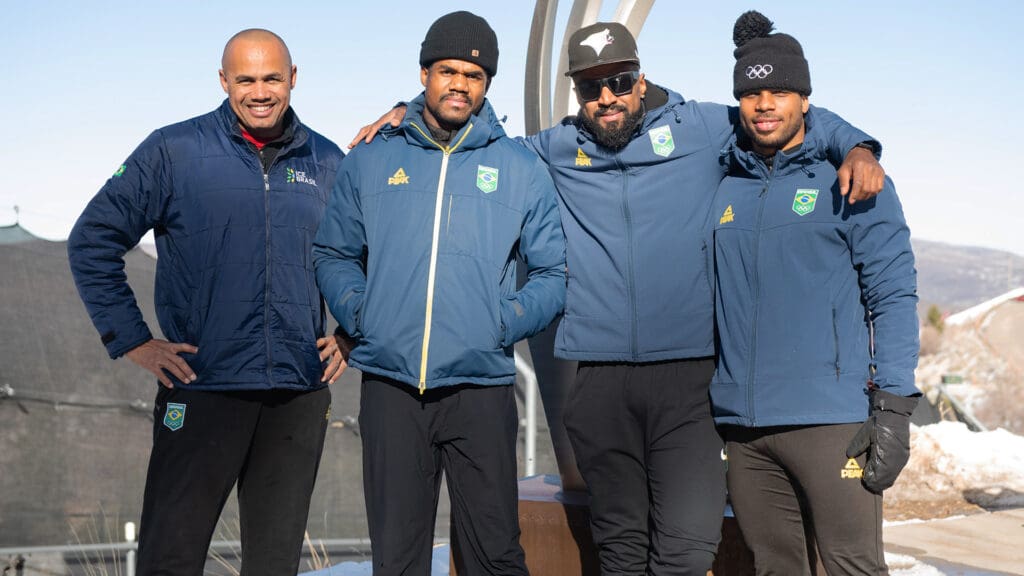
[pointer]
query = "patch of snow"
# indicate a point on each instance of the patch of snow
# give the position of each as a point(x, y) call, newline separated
point(948, 460)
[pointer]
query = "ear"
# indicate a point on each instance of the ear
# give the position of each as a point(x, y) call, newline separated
point(295, 73)
point(805, 104)
point(223, 80)
point(642, 82)
point(423, 76)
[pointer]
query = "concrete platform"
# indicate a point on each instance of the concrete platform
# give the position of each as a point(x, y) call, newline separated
point(985, 544)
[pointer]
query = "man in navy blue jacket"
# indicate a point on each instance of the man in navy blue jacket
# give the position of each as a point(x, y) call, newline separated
point(234, 198)
point(816, 309)
point(416, 258)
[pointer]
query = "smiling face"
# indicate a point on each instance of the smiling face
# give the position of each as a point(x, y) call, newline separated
point(258, 76)
point(455, 89)
point(611, 117)
point(774, 119)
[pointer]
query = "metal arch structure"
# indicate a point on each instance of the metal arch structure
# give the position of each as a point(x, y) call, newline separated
point(554, 377)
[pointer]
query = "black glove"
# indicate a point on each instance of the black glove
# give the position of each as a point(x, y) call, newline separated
point(886, 437)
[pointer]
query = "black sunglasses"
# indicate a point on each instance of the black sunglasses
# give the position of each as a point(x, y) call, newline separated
point(620, 85)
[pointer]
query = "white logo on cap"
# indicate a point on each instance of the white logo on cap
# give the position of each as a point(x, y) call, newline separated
point(598, 40)
point(759, 71)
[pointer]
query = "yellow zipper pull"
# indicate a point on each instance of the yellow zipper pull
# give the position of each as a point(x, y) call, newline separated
point(423, 387)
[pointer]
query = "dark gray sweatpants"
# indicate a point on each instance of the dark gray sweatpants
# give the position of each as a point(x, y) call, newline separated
point(649, 452)
point(792, 485)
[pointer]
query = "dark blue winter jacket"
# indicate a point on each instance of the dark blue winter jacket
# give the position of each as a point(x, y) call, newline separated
point(235, 273)
point(416, 256)
point(800, 276)
point(635, 220)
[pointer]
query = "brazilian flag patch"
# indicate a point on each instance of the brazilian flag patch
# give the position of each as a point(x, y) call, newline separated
point(804, 200)
point(174, 416)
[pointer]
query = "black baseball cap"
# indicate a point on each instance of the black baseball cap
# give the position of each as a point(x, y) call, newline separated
point(601, 43)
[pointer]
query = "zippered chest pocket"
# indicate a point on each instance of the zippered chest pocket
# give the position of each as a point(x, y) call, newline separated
point(477, 226)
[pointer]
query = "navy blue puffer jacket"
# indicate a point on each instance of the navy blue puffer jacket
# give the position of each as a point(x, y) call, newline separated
point(235, 272)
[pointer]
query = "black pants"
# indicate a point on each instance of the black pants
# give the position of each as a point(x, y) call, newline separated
point(409, 440)
point(792, 485)
point(268, 441)
point(648, 450)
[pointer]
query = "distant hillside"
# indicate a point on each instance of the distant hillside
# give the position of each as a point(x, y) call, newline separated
point(958, 277)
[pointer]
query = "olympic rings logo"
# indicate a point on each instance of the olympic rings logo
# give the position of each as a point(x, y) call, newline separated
point(759, 71)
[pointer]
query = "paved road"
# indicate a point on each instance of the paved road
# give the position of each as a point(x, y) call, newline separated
point(985, 544)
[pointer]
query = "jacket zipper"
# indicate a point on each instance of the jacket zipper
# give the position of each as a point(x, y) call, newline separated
point(267, 274)
point(432, 270)
point(756, 284)
point(627, 216)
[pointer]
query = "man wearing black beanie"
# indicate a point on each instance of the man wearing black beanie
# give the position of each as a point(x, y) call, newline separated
point(816, 309)
point(636, 172)
point(416, 258)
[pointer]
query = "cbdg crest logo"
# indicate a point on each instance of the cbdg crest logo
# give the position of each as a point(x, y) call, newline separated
point(174, 416)
point(292, 176)
point(803, 202)
point(661, 141)
point(486, 179)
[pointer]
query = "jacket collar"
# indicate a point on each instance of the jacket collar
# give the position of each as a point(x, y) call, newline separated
point(481, 128)
point(811, 151)
point(294, 135)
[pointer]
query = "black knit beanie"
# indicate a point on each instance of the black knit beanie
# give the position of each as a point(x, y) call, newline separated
point(765, 60)
point(461, 36)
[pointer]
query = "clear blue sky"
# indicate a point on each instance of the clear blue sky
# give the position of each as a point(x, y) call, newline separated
point(87, 81)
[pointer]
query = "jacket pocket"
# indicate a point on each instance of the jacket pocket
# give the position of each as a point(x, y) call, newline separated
point(835, 340)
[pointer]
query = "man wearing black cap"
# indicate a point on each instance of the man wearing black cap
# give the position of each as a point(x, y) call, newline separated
point(416, 258)
point(636, 172)
point(817, 322)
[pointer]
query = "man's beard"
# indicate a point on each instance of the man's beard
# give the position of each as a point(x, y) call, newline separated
point(619, 134)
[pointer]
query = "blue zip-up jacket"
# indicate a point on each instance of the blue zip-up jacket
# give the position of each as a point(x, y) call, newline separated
point(416, 256)
point(639, 259)
point(235, 274)
point(800, 275)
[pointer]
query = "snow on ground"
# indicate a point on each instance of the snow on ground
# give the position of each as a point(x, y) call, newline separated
point(900, 565)
point(947, 461)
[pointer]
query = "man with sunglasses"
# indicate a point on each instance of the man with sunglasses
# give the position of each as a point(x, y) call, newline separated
point(636, 172)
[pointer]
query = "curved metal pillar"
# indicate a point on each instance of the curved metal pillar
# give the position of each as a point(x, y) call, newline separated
point(555, 376)
point(583, 13)
point(537, 85)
